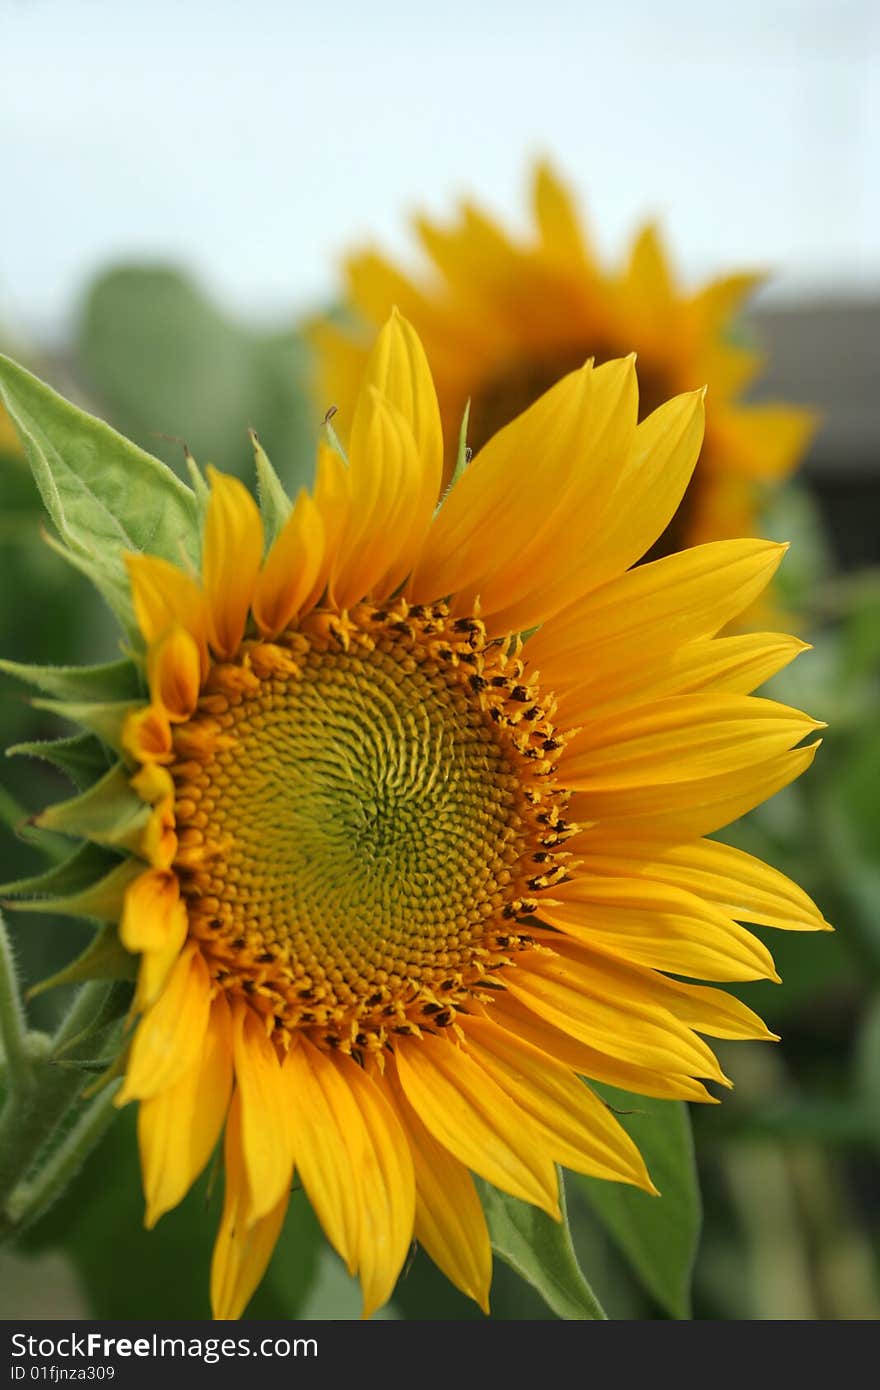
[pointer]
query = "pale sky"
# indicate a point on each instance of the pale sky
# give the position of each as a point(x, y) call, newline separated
point(254, 142)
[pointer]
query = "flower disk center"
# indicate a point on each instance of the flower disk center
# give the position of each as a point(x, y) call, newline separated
point(364, 809)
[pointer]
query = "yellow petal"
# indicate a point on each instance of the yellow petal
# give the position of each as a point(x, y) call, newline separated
point(658, 926)
point(651, 611)
point(156, 966)
point(385, 1176)
point(328, 1134)
point(164, 596)
point(471, 1116)
point(604, 1004)
point(243, 1249)
point(385, 477)
point(153, 784)
point(398, 369)
point(232, 550)
point(179, 1127)
point(651, 483)
point(535, 488)
point(291, 568)
point(159, 841)
point(171, 1034)
point(676, 741)
point(449, 1219)
point(722, 665)
point(154, 913)
point(692, 1007)
point(744, 887)
point(705, 806)
point(333, 502)
point(174, 673)
point(716, 304)
point(587, 1061)
point(581, 1131)
point(146, 735)
point(266, 1135)
point(715, 1012)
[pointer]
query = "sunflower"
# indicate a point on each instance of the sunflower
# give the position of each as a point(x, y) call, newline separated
point(413, 820)
point(502, 320)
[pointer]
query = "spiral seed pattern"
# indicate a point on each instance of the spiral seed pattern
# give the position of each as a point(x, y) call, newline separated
point(365, 809)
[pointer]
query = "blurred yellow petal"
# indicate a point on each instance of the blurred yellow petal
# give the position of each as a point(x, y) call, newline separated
point(385, 1176)
point(174, 673)
point(243, 1248)
point(449, 1220)
point(171, 1034)
point(765, 441)
point(266, 1136)
point(556, 216)
point(329, 1141)
point(164, 597)
point(179, 1127)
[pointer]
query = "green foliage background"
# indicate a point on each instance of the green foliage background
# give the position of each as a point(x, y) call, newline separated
point(789, 1219)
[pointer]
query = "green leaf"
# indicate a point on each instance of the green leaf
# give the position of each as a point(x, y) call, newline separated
point(83, 758)
point(105, 958)
point(657, 1235)
point(104, 494)
point(102, 901)
point(541, 1252)
point(77, 872)
point(115, 680)
point(109, 813)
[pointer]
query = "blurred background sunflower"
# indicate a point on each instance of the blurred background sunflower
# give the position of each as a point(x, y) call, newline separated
point(161, 266)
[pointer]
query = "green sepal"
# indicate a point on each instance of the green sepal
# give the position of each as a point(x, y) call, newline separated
point(115, 680)
point(274, 502)
point(104, 494)
point(100, 902)
point(108, 813)
point(332, 437)
point(462, 457)
point(539, 1249)
point(105, 958)
point(83, 758)
point(104, 719)
point(199, 486)
point(87, 864)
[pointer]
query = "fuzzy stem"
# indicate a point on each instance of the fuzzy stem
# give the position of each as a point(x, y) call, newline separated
point(31, 1199)
point(13, 1024)
point(31, 1118)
